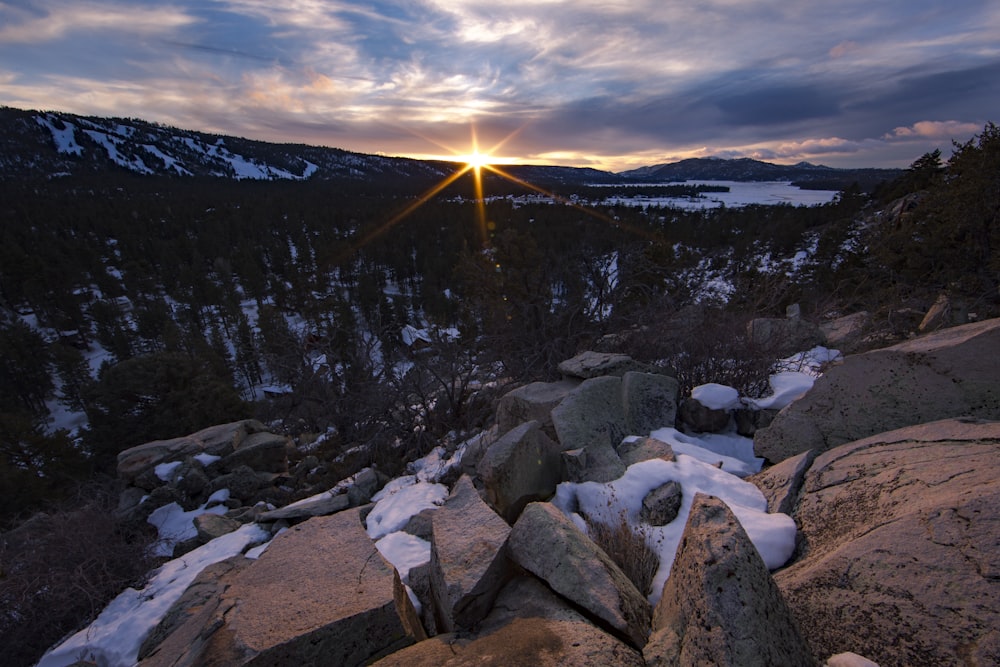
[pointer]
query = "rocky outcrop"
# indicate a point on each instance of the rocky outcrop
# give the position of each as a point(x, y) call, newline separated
point(720, 606)
point(468, 558)
point(547, 544)
point(591, 364)
point(529, 626)
point(781, 483)
point(900, 560)
point(591, 418)
point(952, 372)
point(521, 467)
point(533, 402)
point(320, 594)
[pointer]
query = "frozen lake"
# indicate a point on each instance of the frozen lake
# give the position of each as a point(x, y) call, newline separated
point(740, 194)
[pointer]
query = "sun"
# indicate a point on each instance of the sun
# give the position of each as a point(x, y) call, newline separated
point(476, 160)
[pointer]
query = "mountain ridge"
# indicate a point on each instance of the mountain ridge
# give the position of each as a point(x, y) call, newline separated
point(54, 143)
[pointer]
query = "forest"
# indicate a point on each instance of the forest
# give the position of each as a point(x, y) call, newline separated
point(150, 307)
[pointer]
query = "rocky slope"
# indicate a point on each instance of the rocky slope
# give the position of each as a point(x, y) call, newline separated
point(896, 558)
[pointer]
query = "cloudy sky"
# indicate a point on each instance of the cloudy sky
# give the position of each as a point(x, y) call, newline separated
point(613, 84)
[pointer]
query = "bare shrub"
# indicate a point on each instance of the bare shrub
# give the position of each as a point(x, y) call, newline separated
point(59, 570)
point(628, 547)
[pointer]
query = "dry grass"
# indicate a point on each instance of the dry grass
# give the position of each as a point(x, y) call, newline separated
point(628, 548)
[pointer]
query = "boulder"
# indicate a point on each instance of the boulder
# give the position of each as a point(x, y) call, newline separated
point(211, 526)
point(949, 373)
point(530, 627)
point(468, 558)
point(534, 401)
point(781, 483)
point(264, 452)
point(720, 605)
point(843, 333)
point(591, 417)
point(649, 401)
point(547, 544)
point(521, 467)
point(636, 450)
point(319, 505)
point(242, 483)
point(590, 364)
point(319, 594)
point(698, 418)
point(900, 557)
point(661, 505)
point(783, 336)
point(749, 421)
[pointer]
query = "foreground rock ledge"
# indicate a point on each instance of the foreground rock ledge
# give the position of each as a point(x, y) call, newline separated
point(901, 558)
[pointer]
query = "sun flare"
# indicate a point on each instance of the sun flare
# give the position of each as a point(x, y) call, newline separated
point(477, 160)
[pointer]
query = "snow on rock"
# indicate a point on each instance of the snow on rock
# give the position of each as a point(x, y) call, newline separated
point(175, 525)
point(166, 470)
point(786, 386)
point(114, 638)
point(399, 500)
point(716, 396)
point(404, 551)
point(772, 534)
point(733, 451)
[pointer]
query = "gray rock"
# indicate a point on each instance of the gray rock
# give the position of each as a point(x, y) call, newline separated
point(591, 417)
point(701, 419)
point(468, 558)
point(532, 402)
point(644, 449)
point(528, 627)
point(547, 544)
point(211, 526)
point(782, 482)
point(320, 594)
point(749, 421)
point(900, 558)
point(783, 336)
point(661, 505)
point(366, 484)
point(649, 400)
point(588, 365)
point(950, 373)
point(304, 509)
point(521, 467)
point(573, 465)
point(720, 605)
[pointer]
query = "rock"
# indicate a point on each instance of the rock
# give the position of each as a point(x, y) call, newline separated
point(242, 483)
point(191, 480)
point(846, 332)
point(573, 465)
point(421, 524)
point(264, 452)
point(588, 365)
point(700, 419)
point(636, 450)
point(900, 556)
point(217, 440)
point(320, 594)
point(781, 483)
point(938, 316)
point(306, 508)
point(532, 402)
point(720, 605)
point(591, 417)
point(211, 526)
point(849, 659)
point(950, 373)
point(783, 336)
point(468, 558)
point(547, 544)
point(528, 627)
point(649, 400)
point(661, 505)
point(749, 421)
point(184, 633)
point(521, 467)
point(366, 484)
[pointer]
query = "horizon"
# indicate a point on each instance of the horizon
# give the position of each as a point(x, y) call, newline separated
point(611, 86)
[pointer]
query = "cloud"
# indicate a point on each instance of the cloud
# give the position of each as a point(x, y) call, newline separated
point(930, 129)
point(844, 48)
point(62, 18)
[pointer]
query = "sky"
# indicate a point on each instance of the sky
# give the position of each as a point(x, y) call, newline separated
point(610, 84)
